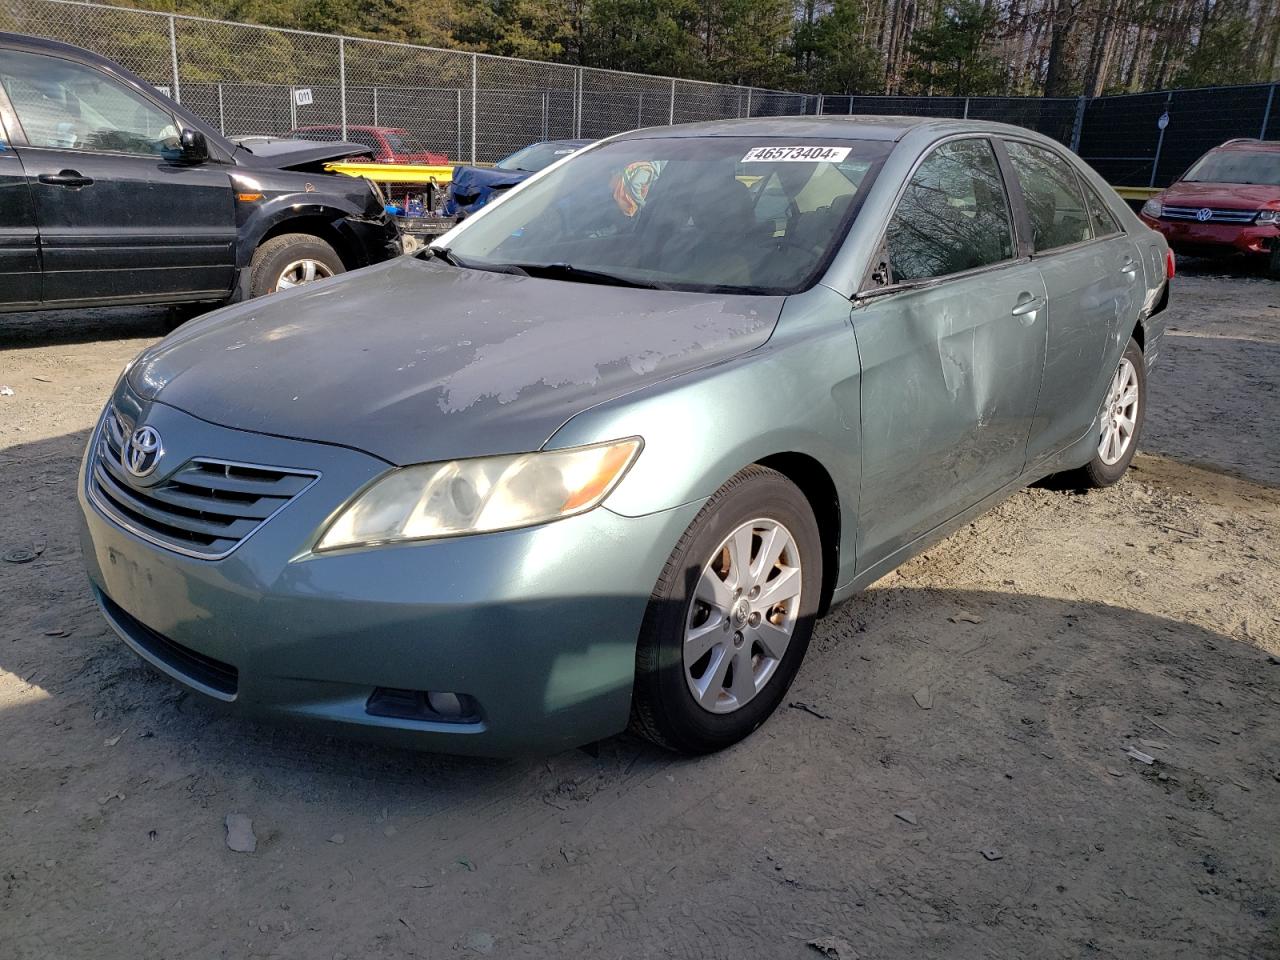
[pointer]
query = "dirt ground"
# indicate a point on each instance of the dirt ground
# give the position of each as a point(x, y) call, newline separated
point(1045, 639)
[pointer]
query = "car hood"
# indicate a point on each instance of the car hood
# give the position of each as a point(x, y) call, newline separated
point(415, 361)
point(288, 154)
point(1229, 196)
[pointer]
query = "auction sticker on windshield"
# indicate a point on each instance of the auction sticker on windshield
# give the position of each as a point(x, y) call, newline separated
point(799, 154)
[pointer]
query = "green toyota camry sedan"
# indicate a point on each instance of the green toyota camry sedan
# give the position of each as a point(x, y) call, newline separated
point(603, 454)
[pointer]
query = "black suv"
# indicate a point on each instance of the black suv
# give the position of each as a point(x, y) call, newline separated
point(110, 193)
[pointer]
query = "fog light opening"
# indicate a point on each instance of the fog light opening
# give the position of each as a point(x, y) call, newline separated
point(437, 706)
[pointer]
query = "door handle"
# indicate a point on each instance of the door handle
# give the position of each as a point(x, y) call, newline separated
point(1027, 308)
point(66, 178)
point(1129, 267)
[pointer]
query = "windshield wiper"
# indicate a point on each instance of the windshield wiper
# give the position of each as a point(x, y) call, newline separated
point(447, 255)
point(567, 271)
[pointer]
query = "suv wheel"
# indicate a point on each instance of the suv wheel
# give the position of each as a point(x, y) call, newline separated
point(290, 260)
point(730, 618)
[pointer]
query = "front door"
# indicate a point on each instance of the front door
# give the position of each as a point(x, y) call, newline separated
point(19, 239)
point(121, 220)
point(952, 347)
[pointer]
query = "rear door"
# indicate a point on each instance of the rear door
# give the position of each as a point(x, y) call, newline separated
point(1095, 283)
point(120, 219)
point(952, 347)
point(19, 239)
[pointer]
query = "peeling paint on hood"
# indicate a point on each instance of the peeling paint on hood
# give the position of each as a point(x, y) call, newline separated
point(415, 361)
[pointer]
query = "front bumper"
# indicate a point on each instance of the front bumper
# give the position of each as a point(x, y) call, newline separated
point(539, 625)
point(1215, 239)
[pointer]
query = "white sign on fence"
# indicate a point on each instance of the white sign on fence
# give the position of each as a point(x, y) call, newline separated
point(302, 97)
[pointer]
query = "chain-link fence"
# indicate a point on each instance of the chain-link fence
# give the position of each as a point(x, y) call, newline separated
point(472, 107)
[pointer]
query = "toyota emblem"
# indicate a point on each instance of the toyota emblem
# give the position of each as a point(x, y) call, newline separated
point(143, 452)
point(1203, 214)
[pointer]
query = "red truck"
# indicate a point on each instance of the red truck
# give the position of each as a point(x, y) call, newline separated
point(1227, 204)
point(387, 144)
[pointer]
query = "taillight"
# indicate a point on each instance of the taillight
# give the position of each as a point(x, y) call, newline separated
point(1170, 268)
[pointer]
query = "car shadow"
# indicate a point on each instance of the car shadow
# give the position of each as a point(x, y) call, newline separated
point(42, 328)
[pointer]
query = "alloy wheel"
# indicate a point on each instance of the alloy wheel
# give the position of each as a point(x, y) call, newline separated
point(302, 271)
point(742, 616)
point(1119, 414)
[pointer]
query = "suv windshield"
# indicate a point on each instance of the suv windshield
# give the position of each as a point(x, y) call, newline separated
point(1236, 166)
point(534, 158)
point(731, 214)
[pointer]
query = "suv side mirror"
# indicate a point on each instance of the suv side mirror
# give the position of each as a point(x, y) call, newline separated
point(193, 145)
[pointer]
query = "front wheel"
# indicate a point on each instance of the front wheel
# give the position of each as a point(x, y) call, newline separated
point(1119, 423)
point(290, 260)
point(730, 618)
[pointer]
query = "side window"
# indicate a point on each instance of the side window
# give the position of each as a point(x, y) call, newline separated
point(69, 106)
point(1054, 201)
point(953, 215)
point(1104, 223)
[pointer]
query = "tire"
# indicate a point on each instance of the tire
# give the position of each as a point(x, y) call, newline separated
point(272, 259)
point(665, 708)
point(1273, 263)
point(1098, 472)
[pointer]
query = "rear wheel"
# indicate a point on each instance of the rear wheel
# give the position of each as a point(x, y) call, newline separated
point(730, 618)
point(1119, 423)
point(291, 260)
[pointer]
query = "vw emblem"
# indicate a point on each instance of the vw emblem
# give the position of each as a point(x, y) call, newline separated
point(1203, 214)
point(143, 452)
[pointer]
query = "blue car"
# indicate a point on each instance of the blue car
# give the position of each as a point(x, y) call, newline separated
point(473, 187)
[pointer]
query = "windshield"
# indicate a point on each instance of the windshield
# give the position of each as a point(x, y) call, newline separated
point(1236, 166)
point(731, 214)
point(398, 142)
point(534, 158)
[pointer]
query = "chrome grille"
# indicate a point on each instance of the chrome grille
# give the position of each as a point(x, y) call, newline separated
point(1216, 215)
point(206, 508)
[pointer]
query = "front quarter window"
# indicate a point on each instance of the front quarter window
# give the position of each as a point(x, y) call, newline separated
point(69, 106)
point(731, 214)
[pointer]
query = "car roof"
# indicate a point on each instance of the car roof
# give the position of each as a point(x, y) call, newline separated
point(1254, 146)
point(865, 127)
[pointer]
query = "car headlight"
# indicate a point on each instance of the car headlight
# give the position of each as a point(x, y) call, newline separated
point(1152, 208)
point(1268, 216)
point(481, 495)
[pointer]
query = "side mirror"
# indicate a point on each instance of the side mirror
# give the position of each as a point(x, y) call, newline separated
point(194, 147)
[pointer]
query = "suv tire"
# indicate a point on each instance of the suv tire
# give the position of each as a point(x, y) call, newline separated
point(291, 254)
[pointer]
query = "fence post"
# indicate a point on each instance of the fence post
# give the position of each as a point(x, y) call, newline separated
point(375, 106)
point(640, 110)
point(577, 130)
point(822, 102)
point(966, 109)
point(671, 114)
point(1077, 128)
point(749, 90)
point(342, 81)
point(173, 58)
point(1266, 116)
point(1155, 164)
point(457, 157)
point(546, 115)
point(293, 108)
point(222, 116)
point(475, 59)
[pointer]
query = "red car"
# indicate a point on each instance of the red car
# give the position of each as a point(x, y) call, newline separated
point(1227, 203)
point(387, 144)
